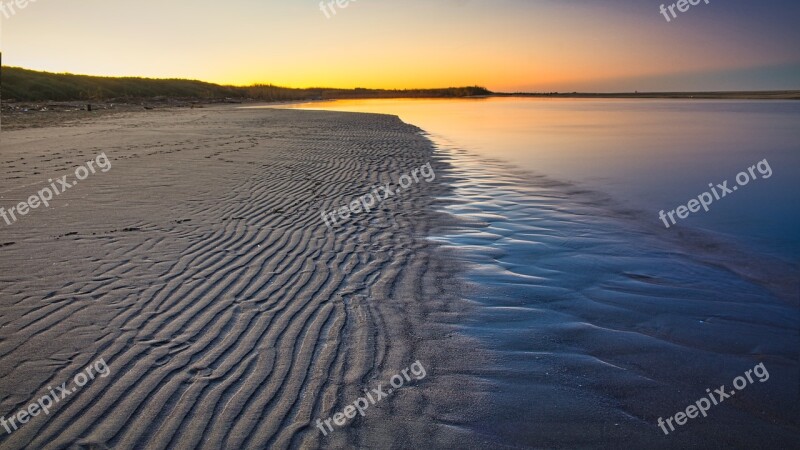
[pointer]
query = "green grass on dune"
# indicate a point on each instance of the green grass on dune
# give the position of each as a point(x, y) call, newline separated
point(29, 85)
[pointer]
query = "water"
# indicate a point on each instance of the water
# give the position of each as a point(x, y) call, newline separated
point(598, 318)
point(651, 154)
point(599, 326)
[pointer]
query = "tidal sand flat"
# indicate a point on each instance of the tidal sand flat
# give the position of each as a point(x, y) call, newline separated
point(191, 267)
point(204, 279)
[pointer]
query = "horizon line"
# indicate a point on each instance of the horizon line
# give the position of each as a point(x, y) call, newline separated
point(491, 92)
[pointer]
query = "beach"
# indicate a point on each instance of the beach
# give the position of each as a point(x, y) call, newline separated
point(509, 225)
point(232, 277)
point(198, 267)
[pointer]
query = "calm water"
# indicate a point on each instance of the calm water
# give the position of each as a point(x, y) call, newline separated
point(649, 154)
point(599, 319)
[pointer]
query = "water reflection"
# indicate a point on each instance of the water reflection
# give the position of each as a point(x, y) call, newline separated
point(653, 154)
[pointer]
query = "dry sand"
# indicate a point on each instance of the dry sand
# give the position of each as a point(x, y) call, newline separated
point(229, 315)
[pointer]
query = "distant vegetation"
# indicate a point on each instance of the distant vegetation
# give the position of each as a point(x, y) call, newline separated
point(729, 95)
point(29, 85)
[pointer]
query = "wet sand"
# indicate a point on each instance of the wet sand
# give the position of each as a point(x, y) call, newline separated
point(600, 323)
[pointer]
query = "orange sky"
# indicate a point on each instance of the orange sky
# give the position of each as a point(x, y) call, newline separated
point(505, 45)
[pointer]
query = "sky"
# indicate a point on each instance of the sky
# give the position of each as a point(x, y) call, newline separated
point(504, 45)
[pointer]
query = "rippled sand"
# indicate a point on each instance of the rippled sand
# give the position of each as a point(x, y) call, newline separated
point(229, 315)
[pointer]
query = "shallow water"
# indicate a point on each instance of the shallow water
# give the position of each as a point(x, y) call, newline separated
point(600, 326)
point(599, 319)
point(651, 154)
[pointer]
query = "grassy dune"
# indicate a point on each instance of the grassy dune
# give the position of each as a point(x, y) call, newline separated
point(29, 85)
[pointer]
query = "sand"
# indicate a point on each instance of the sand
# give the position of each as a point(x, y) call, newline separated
point(229, 315)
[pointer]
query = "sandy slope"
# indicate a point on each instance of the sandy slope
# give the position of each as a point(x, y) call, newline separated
point(229, 315)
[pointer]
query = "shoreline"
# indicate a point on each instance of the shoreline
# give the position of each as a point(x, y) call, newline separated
point(18, 115)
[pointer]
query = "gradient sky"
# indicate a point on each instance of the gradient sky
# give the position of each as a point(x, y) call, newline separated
point(505, 45)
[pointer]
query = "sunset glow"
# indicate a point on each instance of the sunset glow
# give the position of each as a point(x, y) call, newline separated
point(502, 45)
